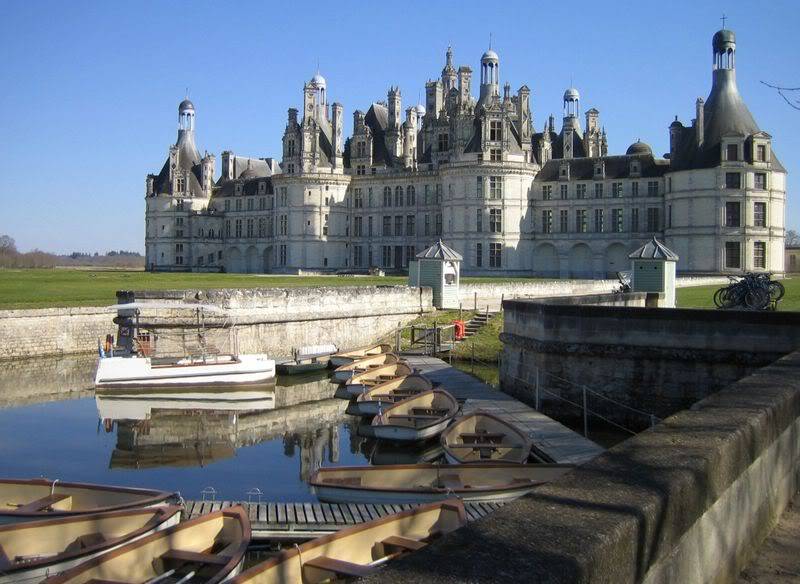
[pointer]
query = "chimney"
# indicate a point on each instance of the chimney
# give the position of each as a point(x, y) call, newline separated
point(699, 121)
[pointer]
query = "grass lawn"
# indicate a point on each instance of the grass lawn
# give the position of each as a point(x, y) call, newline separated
point(486, 340)
point(703, 296)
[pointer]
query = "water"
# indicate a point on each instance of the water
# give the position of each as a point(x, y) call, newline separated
point(231, 442)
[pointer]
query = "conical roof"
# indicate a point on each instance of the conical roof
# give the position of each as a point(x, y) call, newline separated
point(440, 251)
point(654, 250)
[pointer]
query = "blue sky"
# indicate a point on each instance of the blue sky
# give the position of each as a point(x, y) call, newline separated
point(90, 89)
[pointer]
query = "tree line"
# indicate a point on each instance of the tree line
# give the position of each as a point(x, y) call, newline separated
point(11, 257)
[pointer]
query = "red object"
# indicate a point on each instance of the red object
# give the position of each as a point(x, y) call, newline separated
point(460, 329)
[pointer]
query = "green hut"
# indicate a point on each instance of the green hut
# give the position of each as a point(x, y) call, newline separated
point(439, 267)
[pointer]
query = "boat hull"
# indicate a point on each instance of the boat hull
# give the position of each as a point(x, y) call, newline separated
point(332, 494)
point(292, 368)
point(339, 361)
point(408, 434)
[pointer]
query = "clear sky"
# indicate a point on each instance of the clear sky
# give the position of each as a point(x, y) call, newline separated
point(89, 96)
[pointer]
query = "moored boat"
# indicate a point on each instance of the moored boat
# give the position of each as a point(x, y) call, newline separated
point(382, 395)
point(344, 372)
point(363, 381)
point(305, 359)
point(208, 549)
point(27, 499)
point(417, 418)
point(482, 437)
point(359, 550)
point(414, 483)
point(345, 357)
point(32, 550)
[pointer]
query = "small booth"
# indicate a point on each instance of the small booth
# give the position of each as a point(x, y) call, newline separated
point(653, 270)
point(439, 267)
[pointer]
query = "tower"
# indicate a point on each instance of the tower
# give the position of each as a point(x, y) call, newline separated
point(490, 75)
point(186, 116)
point(449, 72)
point(338, 130)
point(321, 86)
point(394, 101)
point(572, 126)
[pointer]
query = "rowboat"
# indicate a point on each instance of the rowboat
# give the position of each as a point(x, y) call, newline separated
point(386, 453)
point(415, 483)
point(32, 550)
point(208, 549)
point(382, 395)
point(482, 437)
point(305, 359)
point(417, 418)
point(27, 499)
point(363, 381)
point(359, 550)
point(345, 372)
point(345, 357)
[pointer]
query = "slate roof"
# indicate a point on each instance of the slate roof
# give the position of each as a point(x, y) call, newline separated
point(654, 250)
point(188, 159)
point(249, 187)
point(440, 251)
point(615, 167)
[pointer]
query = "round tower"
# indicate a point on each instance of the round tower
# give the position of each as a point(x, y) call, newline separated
point(490, 74)
point(186, 116)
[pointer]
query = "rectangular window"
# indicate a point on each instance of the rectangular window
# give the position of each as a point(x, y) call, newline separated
point(358, 199)
point(250, 228)
point(411, 253)
point(733, 256)
point(228, 228)
point(598, 190)
point(495, 187)
point(479, 187)
point(760, 254)
point(634, 220)
point(652, 188)
point(495, 255)
point(369, 197)
point(411, 196)
point(616, 220)
point(387, 225)
point(427, 224)
point(761, 153)
point(250, 204)
point(438, 224)
point(495, 155)
point(479, 255)
point(496, 220)
point(564, 191)
point(495, 130)
point(262, 227)
point(547, 192)
point(580, 191)
point(634, 189)
point(653, 219)
point(238, 228)
point(238, 204)
point(733, 214)
point(760, 181)
point(616, 190)
point(324, 225)
point(282, 259)
point(564, 220)
point(438, 194)
point(227, 204)
point(733, 180)
point(581, 224)
point(410, 225)
point(598, 220)
point(386, 256)
point(428, 193)
point(262, 203)
point(733, 152)
point(398, 196)
point(358, 225)
point(357, 255)
point(547, 221)
point(398, 225)
point(369, 226)
point(284, 225)
point(479, 220)
point(284, 197)
point(444, 142)
point(760, 214)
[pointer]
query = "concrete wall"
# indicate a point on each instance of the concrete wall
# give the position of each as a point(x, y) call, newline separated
point(688, 501)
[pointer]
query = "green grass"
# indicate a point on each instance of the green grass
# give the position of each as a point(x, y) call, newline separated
point(703, 296)
point(486, 342)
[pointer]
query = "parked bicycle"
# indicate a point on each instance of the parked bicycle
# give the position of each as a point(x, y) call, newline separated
point(750, 292)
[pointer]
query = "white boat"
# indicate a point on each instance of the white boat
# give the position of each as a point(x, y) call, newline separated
point(359, 550)
point(363, 381)
point(344, 372)
point(377, 398)
point(481, 437)
point(33, 550)
point(209, 549)
point(345, 357)
point(417, 418)
point(418, 483)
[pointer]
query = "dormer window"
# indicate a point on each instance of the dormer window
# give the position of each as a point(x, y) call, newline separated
point(444, 142)
point(732, 151)
point(563, 172)
point(635, 168)
point(495, 130)
point(239, 189)
point(290, 147)
point(761, 153)
point(599, 170)
point(361, 149)
point(180, 184)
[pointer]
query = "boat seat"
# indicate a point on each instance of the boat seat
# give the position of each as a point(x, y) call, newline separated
point(413, 417)
point(84, 541)
point(430, 411)
point(402, 543)
point(339, 567)
point(190, 557)
point(449, 482)
point(386, 377)
point(43, 503)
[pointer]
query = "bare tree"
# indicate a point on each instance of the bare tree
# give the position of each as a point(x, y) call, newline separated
point(792, 237)
point(7, 245)
point(793, 101)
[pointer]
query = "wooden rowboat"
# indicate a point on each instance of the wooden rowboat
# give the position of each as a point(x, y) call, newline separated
point(382, 395)
point(414, 483)
point(359, 550)
point(31, 550)
point(343, 373)
point(27, 499)
point(363, 381)
point(345, 357)
point(417, 418)
point(208, 549)
point(482, 437)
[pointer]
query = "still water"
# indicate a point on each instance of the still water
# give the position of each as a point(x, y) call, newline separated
point(190, 441)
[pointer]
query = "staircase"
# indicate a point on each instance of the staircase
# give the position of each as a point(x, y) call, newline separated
point(477, 323)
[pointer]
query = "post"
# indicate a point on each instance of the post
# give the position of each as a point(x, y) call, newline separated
point(585, 415)
point(652, 420)
point(397, 340)
point(537, 389)
point(473, 356)
point(476, 302)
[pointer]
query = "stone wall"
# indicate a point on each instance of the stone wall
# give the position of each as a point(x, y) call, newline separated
point(688, 501)
point(46, 379)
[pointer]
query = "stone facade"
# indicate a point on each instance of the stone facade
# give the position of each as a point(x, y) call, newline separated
point(511, 200)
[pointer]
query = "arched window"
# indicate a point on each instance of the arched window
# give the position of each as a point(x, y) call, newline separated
point(387, 196)
point(411, 196)
point(398, 196)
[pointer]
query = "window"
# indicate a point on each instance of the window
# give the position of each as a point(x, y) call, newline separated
point(398, 225)
point(495, 130)
point(398, 196)
point(227, 204)
point(211, 258)
point(427, 224)
point(652, 188)
point(495, 255)
point(361, 170)
point(324, 225)
point(282, 259)
point(580, 191)
point(733, 152)
point(238, 226)
point(358, 225)
point(387, 225)
point(760, 214)
point(250, 228)
point(598, 190)
point(760, 181)
point(580, 221)
point(496, 220)
point(634, 219)
point(357, 251)
point(179, 206)
point(228, 228)
point(238, 204)
point(369, 197)
point(547, 192)
point(733, 215)
point(386, 256)
point(411, 253)
point(598, 220)
point(733, 180)
point(250, 204)
point(564, 220)
point(444, 142)
point(427, 194)
point(290, 148)
point(733, 258)
point(761, 153)
point(564, 191)
point(361, 149)
point(760, 254)
point(479, 255)
point(180, 184)
point(479, 220)
point(616, 190)
point(262, 227)
point(495, 187)
point(387, 196)
point(262, 203)
point(410, 225)
point(179, 227)
point(479, 187)
point(201, 260)
point(616, 220)
point(358, 199)
point(653, 219)
point(547, 221)
point(284, 200)
point(438, 194)
point(438, 230)
point(411, 196)
point(634, 189)
point(495, 155)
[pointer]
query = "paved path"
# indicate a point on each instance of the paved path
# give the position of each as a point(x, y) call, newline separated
point(777, 561)
point(550, 438)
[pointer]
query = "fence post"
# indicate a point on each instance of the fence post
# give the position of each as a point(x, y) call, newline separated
point(585, 415)
point(476, 302)
point(652, 420)
point(537, 389)
point(473, 357)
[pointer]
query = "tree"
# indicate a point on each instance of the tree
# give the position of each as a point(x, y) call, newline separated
point(782, 91)
point(8, 246)
point(792, 237)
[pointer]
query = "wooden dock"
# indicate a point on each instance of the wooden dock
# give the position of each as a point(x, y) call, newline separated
point(552, 441)
point(302, 521)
